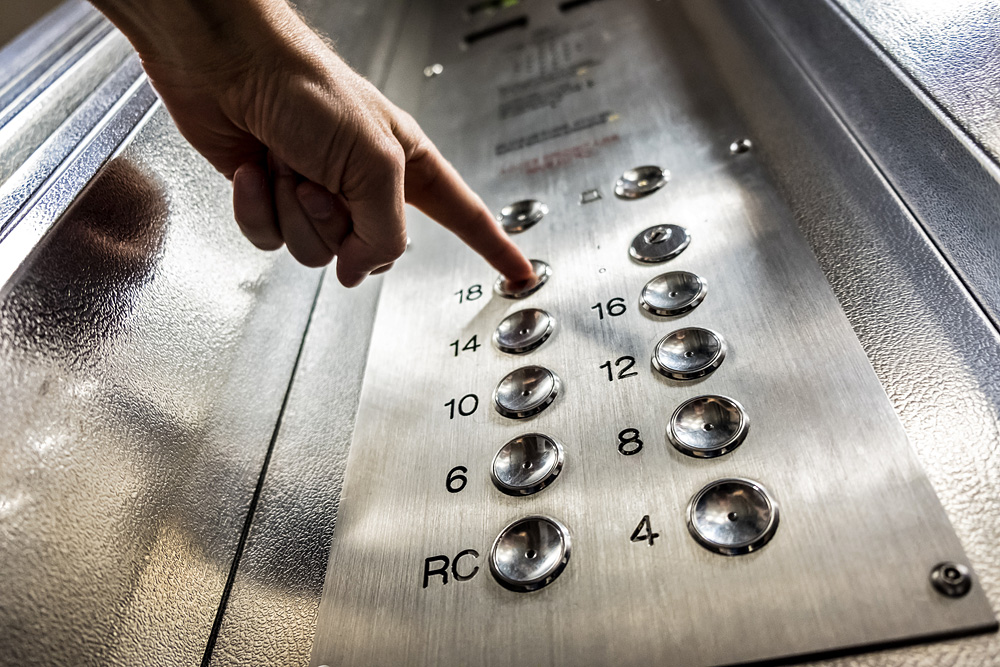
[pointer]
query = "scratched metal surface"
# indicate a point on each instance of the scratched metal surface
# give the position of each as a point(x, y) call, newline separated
point(848, 566)
point(144, 354)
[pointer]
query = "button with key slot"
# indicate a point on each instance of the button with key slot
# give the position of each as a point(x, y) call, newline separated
point(521, 215)
point(708, 426)
point(732, 517)
point(523, 331)
point(526, 392)
point(527, 464)
point(658, 244)
point(530, 553)
point(640, 182)
point(688, 354)
point(510, 289)
point(674, 293)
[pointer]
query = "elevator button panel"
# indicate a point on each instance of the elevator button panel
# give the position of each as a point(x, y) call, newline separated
point(523, 331)
point(641, 182)
point(526, 391)
point(530, 553)
point(674, 293)
point(661, 427)
point(659, 243)
point(689, 354)
point(527, 464)
point(521, 215)
point(511, 289)
point(732, 517)
point(708, 426)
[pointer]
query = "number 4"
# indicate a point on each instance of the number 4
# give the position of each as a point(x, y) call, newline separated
point(644, 532)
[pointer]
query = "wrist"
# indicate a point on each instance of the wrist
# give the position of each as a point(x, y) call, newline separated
point(183, 41)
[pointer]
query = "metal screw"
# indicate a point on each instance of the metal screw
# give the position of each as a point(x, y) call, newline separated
point(951, 579)
point(432, 71)
point(740, 146)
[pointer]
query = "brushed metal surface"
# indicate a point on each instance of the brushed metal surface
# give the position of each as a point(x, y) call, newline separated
point(144, 355)
point(929, 341)
point(856, 506)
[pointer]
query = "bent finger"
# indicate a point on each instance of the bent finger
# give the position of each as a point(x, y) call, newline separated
point(253, 206)
point(378, 236)
point(303, 242)
point(328, 213)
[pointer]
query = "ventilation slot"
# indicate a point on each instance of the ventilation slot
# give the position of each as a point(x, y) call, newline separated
point(570, 5)
point(519, 22)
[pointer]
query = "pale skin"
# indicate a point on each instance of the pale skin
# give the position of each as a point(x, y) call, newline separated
point(320, 160)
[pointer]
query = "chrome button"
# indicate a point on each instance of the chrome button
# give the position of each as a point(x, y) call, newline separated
point(510, 289)
point(526, 392)
point(658, 244)
point(641, 181)
point(527, 464)
point(708, 426)
point(523, 331)
point(521, 215)
point(732, 516)
point(530, 553)
point(674, 293)
point(688, 354)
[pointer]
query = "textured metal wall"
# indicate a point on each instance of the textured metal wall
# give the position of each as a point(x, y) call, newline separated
point(144, 357)
point(951, 48)
point(270, 616)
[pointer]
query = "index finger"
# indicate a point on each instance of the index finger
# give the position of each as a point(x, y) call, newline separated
point(435, 187)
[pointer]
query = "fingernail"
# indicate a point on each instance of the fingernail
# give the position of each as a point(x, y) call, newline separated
point(317, 203)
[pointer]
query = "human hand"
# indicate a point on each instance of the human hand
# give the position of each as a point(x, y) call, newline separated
point(320, 160)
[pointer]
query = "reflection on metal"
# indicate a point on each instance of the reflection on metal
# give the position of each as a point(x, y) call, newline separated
point(52, 179)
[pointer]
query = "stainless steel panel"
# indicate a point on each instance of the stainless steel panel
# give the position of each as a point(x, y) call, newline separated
point(144, 353)
point(856, 506)
point(931, 345)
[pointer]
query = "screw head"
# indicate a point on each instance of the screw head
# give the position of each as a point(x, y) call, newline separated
point(951, 579)
point(740, 146)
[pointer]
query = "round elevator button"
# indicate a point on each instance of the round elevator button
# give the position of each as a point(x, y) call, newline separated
point(641, 181)
point(658, 244)
point(530, 553)
point(523, 331)
point(732, 516)
point(674, 293)
point(526, 392)
point(527, 464)
point(510, 289)
point(708, 426)
point(688, 354)
point(520, 215)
